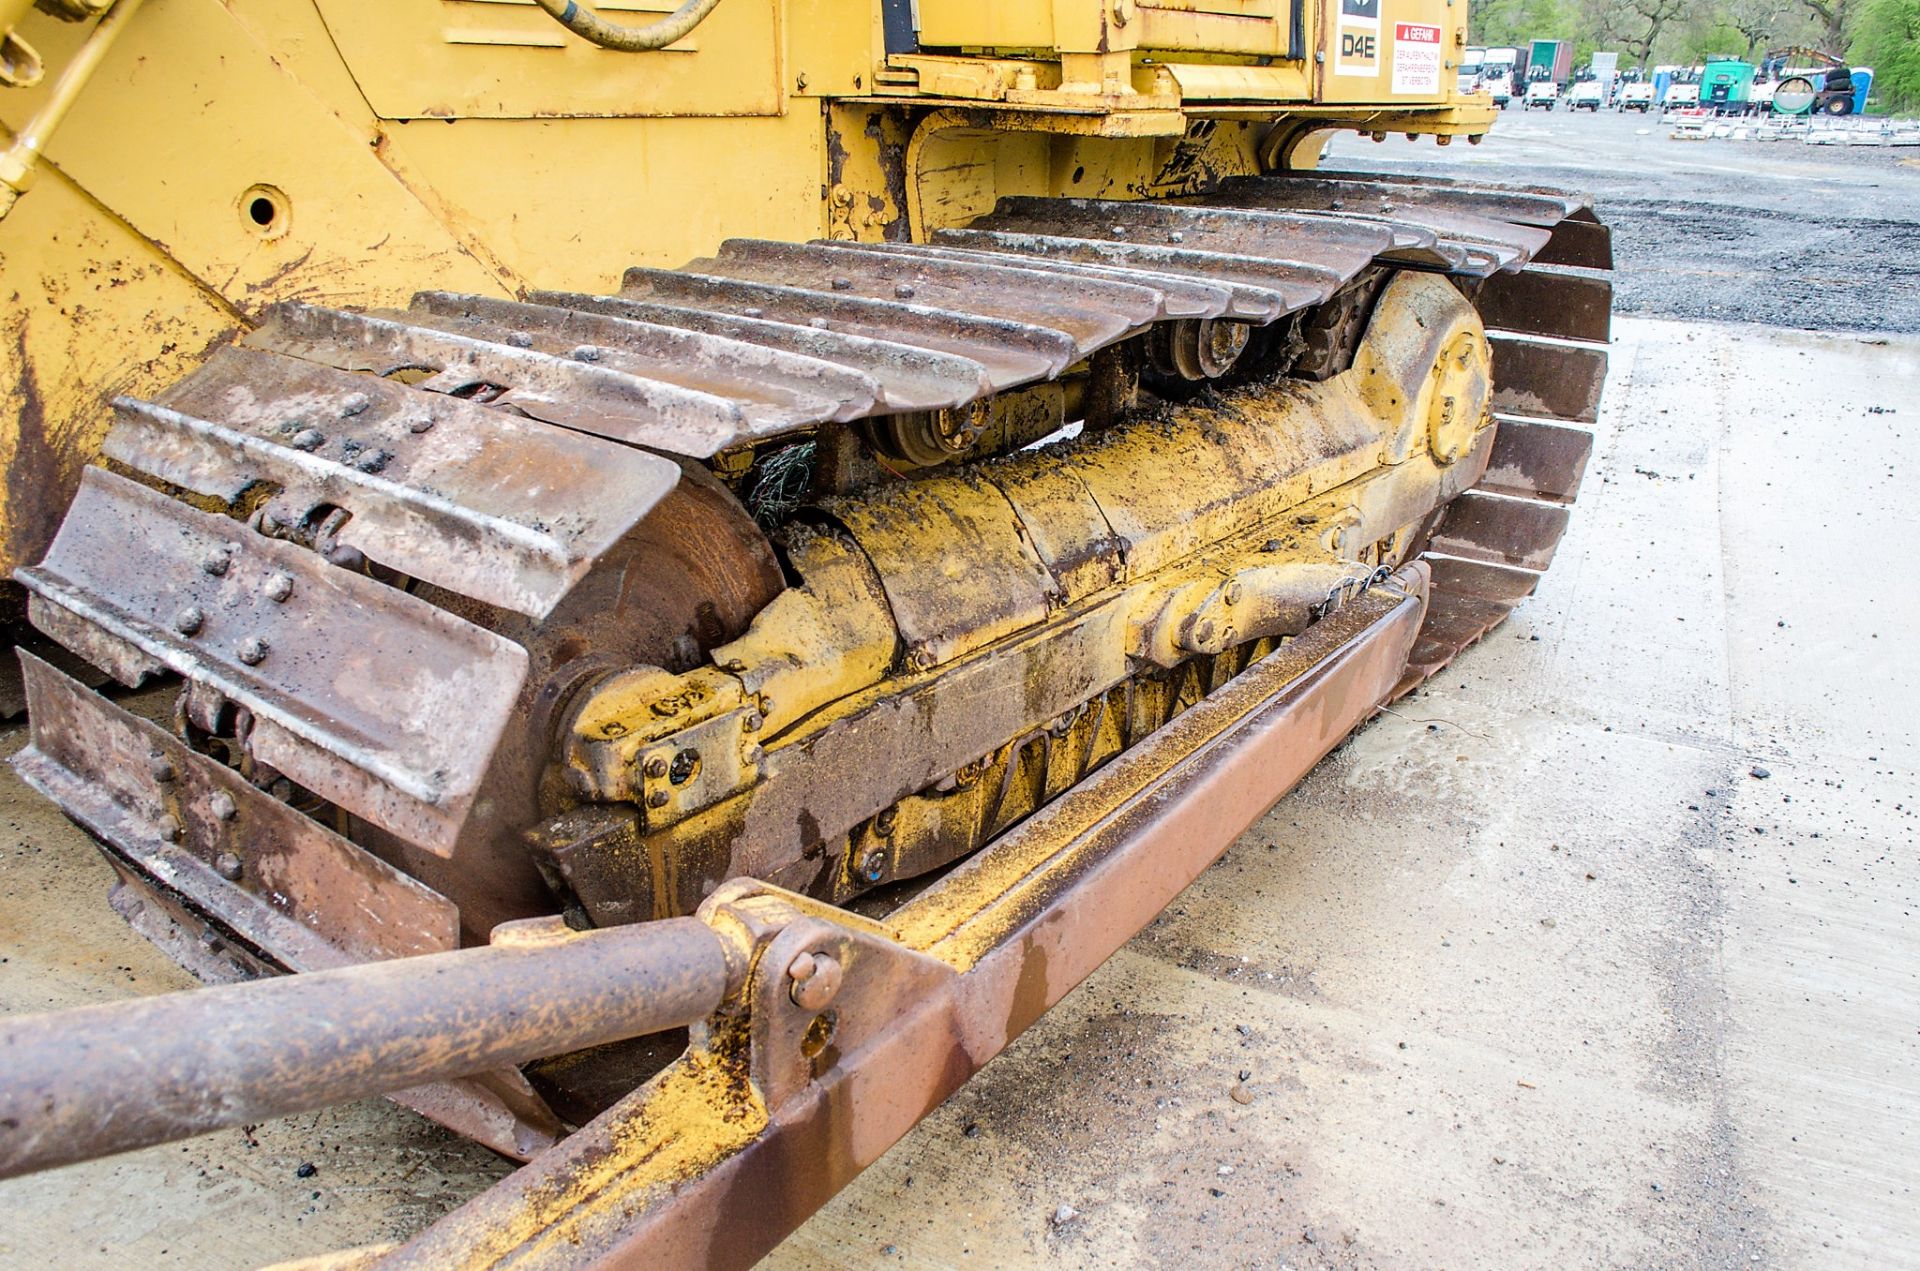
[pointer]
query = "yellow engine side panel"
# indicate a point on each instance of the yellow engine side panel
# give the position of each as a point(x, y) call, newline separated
point(506, 59)
point(1395, 52)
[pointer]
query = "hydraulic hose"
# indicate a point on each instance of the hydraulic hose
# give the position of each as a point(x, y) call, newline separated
point(590, 26)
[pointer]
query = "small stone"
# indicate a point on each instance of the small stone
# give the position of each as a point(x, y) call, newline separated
point(354, 404)
point(1063, 1215)
point(307, 1170)
point(1225, 1171)
point(971, 1129)
point(1548, 922)
point(1240, 1094)
point(308, 439)
point(1758, 773)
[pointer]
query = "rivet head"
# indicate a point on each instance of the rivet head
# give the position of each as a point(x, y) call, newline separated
point(354, 404)
point(657, 767)
point(228, 866)
point(189, 620)
point(658, 799)
point(308, 439)
point(222, 806)
point(253, 650)
point(279, 587)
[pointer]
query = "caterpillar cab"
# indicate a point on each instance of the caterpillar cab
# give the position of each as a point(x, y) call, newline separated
point(658, 585)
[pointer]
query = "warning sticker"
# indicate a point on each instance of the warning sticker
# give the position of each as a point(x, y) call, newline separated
point(1416, 58)
point(1359, 52)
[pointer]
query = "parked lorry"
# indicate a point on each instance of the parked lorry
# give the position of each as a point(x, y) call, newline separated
point(1550, 60)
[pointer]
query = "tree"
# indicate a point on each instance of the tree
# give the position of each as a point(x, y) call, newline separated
point(1761, 23)
point(1834, 17)
point(1887, 38)
point(1636, 25)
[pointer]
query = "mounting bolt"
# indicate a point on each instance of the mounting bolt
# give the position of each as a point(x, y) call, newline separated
point(354, 404)
point(658, 799)
point(1203, 632)
point(752, 722)
point(1233, 593)
point(189, 620)
point(253, 650)
point(228, 866)
point(222, 806)
point(883, 824)
point(921, 658)
point(160, 768)
point(814, 979)
point(656, 767)
point(874, 867)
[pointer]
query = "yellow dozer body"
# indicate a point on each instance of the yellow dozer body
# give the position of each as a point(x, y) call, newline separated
point(658, 583)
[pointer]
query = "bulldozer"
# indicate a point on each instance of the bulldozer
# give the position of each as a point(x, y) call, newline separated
point(656, 583)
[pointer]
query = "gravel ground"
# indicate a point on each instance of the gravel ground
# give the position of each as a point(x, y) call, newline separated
point(1821, 238)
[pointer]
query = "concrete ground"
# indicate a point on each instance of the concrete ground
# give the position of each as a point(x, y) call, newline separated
point(1537, 970)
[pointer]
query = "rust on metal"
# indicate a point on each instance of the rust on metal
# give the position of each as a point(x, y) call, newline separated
point(122, 1075)
point(773, 579)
